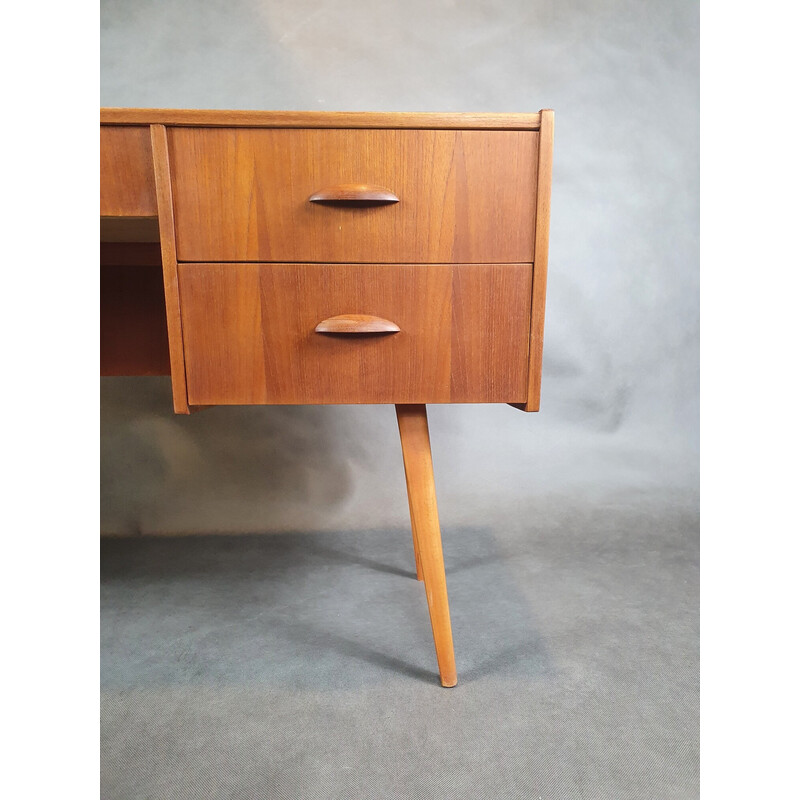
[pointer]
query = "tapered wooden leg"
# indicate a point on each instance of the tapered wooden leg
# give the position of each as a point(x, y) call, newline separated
point(413, 423)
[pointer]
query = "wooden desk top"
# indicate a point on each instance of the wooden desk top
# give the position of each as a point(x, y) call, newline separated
point(320, 119)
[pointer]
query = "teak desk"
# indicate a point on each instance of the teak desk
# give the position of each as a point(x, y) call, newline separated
point(306, 257)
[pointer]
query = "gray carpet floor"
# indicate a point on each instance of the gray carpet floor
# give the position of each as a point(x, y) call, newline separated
point(302, 665)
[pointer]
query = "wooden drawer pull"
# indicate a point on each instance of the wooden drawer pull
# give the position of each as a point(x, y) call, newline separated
point(355, 193)
point(356, 323)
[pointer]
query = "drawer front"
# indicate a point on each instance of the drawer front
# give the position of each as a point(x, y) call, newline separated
point(250, 333)
point(242, 194)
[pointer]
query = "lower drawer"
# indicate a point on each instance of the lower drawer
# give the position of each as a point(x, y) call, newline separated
point(250, 333)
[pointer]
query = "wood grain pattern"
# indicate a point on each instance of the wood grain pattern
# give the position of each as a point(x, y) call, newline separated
point(127, 186)
point(417, 559)
point(249, 333)
point(541, 252)
point(491, 322)
point(226, 344)
point(166, 225)
point(412, 420)
point(242, 195)
point(318, 119)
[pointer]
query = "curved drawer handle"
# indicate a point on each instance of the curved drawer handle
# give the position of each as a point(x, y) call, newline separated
point(360, 193)
point(356, 324)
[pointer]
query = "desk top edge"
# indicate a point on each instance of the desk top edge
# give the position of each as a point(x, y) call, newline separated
point(320, 119)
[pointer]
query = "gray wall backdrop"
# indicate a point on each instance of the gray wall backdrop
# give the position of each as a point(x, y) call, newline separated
point(619, 416)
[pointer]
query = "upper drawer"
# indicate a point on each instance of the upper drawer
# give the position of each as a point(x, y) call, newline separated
point(242, 194)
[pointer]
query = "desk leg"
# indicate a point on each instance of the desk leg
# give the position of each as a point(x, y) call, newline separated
point(415, 440)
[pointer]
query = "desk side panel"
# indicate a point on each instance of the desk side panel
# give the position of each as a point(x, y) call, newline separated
point(544, 175)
